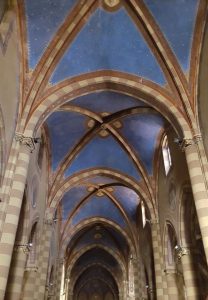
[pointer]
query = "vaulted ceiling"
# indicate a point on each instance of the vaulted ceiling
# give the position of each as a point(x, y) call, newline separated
point(103, 144)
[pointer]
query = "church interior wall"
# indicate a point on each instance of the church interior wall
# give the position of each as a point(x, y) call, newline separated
point(162, 258)
point(201, 105)
point(9, 83)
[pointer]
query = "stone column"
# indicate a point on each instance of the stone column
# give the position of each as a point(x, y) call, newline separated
point(184, 256)
point(174, 288)
point(140, 280)
point(160, 278)
point(198, 176)
point(125, 290)
point(151, 293)
point(17, 269)
point(12, 210)
point(29, 280)
point(43, 257)
point(136, 279)
point(59, 269)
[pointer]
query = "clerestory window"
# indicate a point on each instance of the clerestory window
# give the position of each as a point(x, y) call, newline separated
point(166, 155)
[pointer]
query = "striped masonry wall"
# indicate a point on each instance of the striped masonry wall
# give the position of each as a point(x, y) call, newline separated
point(43, 258)
point(189, 275)
point(187, 261)
point(199, 188)
point(59, 268)
point(28, 287)
point(9, 226)
point(7, 181)
point(138, 279)
point(20, 255)
point(161, 284)
point(173, 285)
point(15, 280)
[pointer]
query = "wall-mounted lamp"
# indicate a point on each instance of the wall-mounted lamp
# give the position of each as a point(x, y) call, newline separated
point(37, 140)
point(177, 248)
point(178, 141)
point(183, 143)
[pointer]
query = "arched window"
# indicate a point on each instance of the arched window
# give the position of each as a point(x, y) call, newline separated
point(166, 155)
point(143, 214)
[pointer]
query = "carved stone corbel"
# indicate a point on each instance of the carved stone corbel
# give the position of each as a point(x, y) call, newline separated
point(29, 142)
point(181, 251)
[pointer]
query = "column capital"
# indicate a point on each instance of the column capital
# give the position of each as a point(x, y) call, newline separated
point(49, 216)
point(31, 268)
point(48, 221)
point(27, 141)
point(186, 142)
point(60, 260)
point(181, 251)
point(24, 248)
point(153, 221)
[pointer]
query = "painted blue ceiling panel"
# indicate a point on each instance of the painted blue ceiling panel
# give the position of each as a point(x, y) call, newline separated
point(109, 102)
point(109, 41)
point(44, 17)
point(71, 199)
point(99, 206)
point(91, 237)
point(97, 254)
point(176, 19)
point(141, 132)
point(121, 241)
point(104, 153)
point(129, 200)
point(65, 130)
